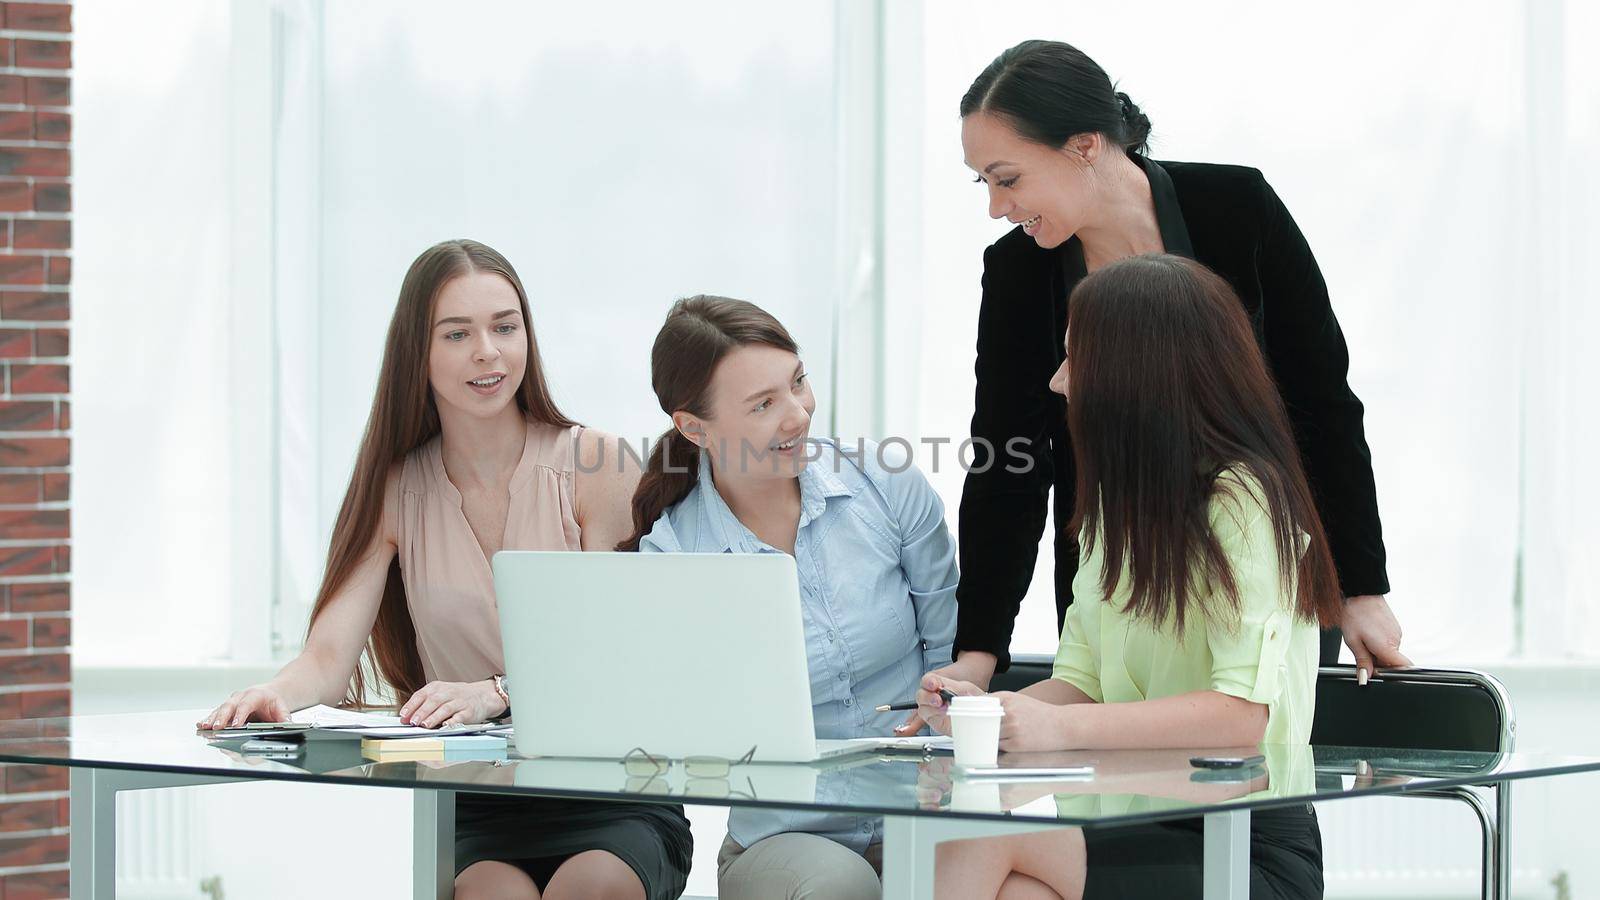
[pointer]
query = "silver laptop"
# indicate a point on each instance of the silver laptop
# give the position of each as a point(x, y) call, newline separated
point(680, 654)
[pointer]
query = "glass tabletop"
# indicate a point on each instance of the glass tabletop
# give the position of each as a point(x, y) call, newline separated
point(1126, 786)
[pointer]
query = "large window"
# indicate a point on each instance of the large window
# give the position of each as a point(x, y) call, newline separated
point(152, 385)
point(236, 287)
point(252, 194)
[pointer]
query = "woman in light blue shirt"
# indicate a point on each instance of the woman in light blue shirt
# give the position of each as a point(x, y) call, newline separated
point(739, 472)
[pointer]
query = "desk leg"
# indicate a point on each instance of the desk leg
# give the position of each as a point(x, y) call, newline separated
point(1227, 855)
point(910, 842)
point(93, 843)
point(1502, 840)
point(433, 845)
point(907, 859)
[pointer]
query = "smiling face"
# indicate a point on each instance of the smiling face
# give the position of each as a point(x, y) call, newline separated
point(761, 406)
point(1044, 189)
point(478, 346)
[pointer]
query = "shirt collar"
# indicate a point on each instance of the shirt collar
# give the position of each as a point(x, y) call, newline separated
point(817, 485)
point(720, 522)
point(1169, 216)
point(1169, 219)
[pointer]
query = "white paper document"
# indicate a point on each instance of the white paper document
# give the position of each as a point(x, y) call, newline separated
point(915, 743)
point(320, 716)
point(329, 723)
point(414, 731)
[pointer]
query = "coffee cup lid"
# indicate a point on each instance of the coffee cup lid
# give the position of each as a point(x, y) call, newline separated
point(982, 704)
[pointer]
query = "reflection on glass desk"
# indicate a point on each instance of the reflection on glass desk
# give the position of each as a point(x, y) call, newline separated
point(923, 800)
point(1139, 784)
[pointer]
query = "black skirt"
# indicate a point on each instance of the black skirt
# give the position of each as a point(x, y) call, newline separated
point(538, 834)
point(1164, 859)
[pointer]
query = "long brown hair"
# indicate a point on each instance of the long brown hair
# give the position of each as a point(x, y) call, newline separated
point(1167, 390)
point(403, 418)
point(698, 333)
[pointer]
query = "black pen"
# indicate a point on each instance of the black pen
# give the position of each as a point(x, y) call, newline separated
point(912, 704)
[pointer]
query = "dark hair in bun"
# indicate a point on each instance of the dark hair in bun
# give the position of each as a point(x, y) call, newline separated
point(1050, 91)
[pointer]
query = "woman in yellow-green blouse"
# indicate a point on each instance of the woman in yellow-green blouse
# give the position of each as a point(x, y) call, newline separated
point(1203, 578)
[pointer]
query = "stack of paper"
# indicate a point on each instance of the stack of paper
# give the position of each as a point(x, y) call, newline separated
point(320, 716)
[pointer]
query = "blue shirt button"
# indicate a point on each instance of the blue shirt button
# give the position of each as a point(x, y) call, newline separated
point(848, 701)
point(831, 634)
point(843, 676)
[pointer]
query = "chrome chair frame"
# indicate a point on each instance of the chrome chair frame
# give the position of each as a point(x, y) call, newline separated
point(1026, 668)
point(1496, 826)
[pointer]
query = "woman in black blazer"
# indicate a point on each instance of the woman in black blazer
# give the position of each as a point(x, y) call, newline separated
point(1062, 154)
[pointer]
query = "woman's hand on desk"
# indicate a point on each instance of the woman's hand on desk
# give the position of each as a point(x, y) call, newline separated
point(1032, 724)
point(441, 703)
point(261, 703)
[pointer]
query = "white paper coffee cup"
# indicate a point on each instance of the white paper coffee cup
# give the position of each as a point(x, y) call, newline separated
point(975, 726)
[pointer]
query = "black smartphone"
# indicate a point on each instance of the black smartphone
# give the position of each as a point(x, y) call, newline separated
point(1227, 776)
point(1226, 762)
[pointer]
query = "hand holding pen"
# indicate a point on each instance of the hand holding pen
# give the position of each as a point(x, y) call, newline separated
point(933, 700)
point(915, 723)
point(912, 704)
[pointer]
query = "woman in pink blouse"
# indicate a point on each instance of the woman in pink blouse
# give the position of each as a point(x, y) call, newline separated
point(465, 453)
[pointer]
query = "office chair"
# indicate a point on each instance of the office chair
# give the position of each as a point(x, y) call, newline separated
point(1398, 709)
point(1429, 709)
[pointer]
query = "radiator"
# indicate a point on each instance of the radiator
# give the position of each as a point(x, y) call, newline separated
point(158, 847)
point(1411, 848)
point(1404, 848)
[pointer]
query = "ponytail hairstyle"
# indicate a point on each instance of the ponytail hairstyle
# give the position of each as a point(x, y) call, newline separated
point(698, 333)
point(1049, 91)
point(1168, 390)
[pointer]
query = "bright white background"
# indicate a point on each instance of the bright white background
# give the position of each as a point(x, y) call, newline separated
point(1397, 162)
point(253, 179)
point(618, 162)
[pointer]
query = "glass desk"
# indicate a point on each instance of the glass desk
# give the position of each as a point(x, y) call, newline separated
point(922, 802)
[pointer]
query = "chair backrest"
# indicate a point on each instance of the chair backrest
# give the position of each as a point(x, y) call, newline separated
point(1026, 669)
point(1413, 709)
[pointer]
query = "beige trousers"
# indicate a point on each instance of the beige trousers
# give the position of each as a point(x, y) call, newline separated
point(798, 866)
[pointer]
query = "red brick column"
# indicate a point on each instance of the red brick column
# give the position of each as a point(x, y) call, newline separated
point(35, 428)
